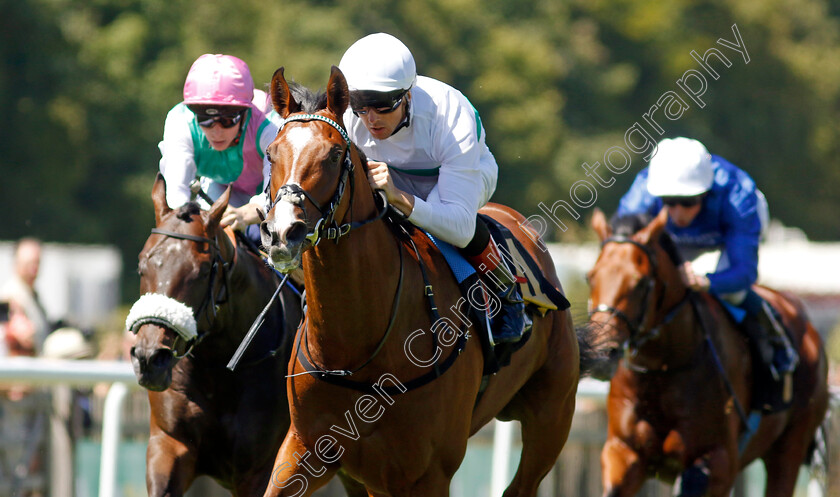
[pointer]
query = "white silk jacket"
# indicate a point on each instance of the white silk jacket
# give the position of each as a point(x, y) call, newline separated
point(440, 157)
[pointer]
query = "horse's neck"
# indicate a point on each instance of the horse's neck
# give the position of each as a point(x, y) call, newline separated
point(679, 339)
point(248, 287)
point(350, 285)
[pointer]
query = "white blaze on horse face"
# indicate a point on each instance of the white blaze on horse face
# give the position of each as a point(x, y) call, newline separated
point(298, 138)
point(284, 210)
point(284, 215)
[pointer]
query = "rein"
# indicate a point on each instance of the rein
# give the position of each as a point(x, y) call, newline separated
point(309, 364)
point(338, 377)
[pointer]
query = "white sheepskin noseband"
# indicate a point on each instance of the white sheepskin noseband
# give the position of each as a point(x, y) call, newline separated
point(162, 310)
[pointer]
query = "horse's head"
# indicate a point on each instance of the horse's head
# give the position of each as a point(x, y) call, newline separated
point(183, 278)
point(632, 285)
point(312, 164)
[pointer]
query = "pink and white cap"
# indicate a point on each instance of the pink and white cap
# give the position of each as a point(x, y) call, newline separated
point(216, 79)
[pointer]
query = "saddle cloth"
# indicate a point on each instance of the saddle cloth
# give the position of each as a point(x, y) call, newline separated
point(533, 286)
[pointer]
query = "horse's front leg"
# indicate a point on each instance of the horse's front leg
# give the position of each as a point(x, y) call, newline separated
point(170, 467)
point(298, 471)
point(723, 469)
point(622, 469)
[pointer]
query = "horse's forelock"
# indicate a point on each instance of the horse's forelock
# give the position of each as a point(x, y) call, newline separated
point(630, 224)
point(309, 101)
point(187, 211)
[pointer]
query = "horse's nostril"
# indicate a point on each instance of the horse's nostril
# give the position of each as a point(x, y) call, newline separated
point(267, 235)
point(161, 358)
point(296, 233)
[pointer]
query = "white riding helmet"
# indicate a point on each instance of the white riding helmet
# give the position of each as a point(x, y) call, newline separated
point(378, 62)
point(681, 167)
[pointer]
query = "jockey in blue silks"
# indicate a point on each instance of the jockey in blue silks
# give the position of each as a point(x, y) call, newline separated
point(714, 208)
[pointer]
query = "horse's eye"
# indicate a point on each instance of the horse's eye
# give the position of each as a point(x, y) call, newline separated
point(205, 268)
point(335, 155)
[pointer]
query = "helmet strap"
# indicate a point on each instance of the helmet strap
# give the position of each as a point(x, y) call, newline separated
point(406, 122)
point(241, 127)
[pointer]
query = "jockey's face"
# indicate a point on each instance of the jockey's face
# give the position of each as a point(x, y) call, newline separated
point(381, 125)
point(683, 216)
point(220, 138)
point(683, 210)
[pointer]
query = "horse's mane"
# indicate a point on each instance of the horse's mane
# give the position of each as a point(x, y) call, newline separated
point(309, 100)
point(187, 211)
point(630, 224)
point(312, 101)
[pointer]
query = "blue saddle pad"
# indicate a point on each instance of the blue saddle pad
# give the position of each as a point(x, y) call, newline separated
point(459, 265)
point(736, 312)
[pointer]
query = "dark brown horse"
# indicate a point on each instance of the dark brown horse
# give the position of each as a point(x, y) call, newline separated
point(365, 395)
point(205, 419)
point(670, 412)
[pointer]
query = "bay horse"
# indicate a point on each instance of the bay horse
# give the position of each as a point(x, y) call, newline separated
point(378, 387)
point(205, 419)
point(683, 376)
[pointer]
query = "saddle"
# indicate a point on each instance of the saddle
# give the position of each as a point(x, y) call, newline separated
point(539, 294)
point(769, 394)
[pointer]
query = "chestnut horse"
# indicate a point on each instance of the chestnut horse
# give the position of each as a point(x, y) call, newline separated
point(680, 397)
point(378, 387)
point(205, 419)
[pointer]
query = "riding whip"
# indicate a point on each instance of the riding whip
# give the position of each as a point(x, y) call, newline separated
point(255, 327)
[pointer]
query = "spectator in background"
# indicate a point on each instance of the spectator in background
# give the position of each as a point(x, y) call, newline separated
point(28, 326)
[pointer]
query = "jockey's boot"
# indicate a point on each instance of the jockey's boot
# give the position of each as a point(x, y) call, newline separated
point(775, 348)
point(511, 322)
point(785, 358)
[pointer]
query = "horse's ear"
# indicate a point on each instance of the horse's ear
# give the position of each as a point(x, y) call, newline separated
point(600, 225)
point(338, 94)
point(281, 97)
point(159, 198)
point(217, 210)
point(651, 232)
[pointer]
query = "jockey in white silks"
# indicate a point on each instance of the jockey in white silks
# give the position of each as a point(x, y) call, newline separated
point(428, 154)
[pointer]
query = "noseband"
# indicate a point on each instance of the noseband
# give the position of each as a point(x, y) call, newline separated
point(213, 299)
point(326, 226)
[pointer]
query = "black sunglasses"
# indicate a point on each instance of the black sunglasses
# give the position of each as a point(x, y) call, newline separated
point(682, 201)
point(206, 121)
point(385, 106)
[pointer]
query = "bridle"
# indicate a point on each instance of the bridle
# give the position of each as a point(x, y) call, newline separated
point(327, 226)
point(213, 299)
point(638, 332)
point(638, 337)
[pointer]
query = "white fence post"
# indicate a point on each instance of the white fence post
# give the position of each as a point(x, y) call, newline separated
point(502, 441)
point(111, 428)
